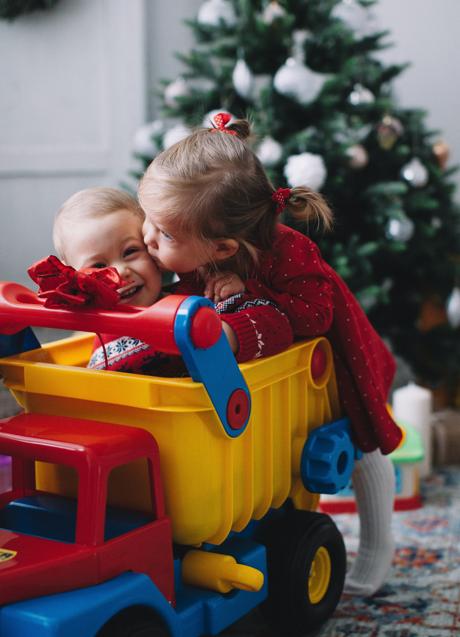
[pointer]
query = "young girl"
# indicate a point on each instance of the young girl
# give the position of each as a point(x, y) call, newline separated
point(211, 214)
point(102, 227)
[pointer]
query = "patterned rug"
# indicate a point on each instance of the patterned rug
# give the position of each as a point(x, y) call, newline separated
point(422, 596)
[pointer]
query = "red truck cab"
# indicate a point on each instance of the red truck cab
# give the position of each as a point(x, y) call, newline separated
point(50, 543)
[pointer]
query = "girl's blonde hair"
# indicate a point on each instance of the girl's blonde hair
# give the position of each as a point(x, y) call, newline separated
point(211, 185)
point(91, 203)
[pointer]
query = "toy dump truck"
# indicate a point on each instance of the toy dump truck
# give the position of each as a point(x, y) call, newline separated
point(141, 505)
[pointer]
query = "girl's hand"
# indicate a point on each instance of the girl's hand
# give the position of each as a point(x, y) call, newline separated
point(222, 286)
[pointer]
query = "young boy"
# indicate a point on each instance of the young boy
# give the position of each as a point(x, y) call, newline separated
point(102, 227)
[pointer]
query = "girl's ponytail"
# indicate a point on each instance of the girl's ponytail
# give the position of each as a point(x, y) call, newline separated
point(242, 128)
point(305, 204)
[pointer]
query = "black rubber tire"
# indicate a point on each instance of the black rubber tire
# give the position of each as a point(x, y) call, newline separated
point(292, 543)
point(126, 624)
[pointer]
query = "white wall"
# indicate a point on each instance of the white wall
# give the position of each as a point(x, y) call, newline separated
point(74, 83)
point(72, 95)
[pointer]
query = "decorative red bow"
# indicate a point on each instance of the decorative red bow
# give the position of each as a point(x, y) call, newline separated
point(221, 120)
point(61, 286)
point(281, 197)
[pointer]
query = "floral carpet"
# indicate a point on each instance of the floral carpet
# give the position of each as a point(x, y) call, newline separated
point(422, 595)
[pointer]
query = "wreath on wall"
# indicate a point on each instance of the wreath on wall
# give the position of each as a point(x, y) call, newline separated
point(10, 9)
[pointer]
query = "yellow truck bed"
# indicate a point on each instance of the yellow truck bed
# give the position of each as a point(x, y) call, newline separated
point(213, 483)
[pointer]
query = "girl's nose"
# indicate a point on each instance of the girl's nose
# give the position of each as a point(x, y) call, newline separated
point(149, 236)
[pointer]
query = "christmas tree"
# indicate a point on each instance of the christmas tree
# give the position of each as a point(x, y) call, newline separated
point(308, 76)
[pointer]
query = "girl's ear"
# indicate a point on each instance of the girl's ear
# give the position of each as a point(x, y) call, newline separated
point(225, 248)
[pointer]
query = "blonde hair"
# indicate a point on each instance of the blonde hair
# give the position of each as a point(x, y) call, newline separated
point(212, 185)
point(91, 203)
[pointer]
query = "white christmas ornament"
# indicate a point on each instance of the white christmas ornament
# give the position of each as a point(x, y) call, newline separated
point(269, 151)
point(355, 16)
point(400, 229)
point(174, 90)
point(305, 169)
point(175, 134)
point(453, 308)
point(208, 119)
point(273, 11)
point(243, 80)
point(415, 173)
point(143, 142)
point(296, 80)
point(360, 96)
point(213, 12)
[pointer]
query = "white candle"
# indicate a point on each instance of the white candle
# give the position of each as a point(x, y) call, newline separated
point(412, 405)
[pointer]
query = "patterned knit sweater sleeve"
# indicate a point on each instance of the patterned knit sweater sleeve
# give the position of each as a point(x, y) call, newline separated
point(260, 328)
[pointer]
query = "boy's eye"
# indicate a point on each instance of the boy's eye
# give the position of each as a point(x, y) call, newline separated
point(166, 235)
point(131, 250)
point(98, 265)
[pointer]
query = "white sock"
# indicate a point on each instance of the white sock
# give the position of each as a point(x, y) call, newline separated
point(374, 486)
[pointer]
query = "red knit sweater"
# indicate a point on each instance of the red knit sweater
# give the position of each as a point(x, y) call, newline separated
point(262, 330)
point(318, 302)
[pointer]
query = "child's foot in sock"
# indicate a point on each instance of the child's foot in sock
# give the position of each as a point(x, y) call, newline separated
point(369, 570)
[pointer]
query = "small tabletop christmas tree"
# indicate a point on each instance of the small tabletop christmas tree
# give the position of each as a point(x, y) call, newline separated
point(307, 75)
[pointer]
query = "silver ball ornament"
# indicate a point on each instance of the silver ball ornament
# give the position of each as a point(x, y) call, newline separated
point(415, 173)
point(400, 229)
point(360, 96)
point(453, 308)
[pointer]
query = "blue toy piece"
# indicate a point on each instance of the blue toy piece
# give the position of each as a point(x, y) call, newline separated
point(227, 390)
point(86, 611)
point(328, 457)
point(22, 341)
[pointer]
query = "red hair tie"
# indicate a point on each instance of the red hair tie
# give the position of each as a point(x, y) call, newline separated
point(281, 196)
point(221, 120)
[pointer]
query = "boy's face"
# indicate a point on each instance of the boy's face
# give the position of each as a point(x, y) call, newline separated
point(116, 241)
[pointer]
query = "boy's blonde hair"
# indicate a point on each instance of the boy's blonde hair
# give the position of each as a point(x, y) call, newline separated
point(212, 185)
point(90, 203)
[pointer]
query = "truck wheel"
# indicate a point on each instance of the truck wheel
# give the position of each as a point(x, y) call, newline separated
point(306, 571)
point(127, 625)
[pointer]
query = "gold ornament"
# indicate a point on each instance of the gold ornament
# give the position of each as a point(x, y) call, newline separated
point(441, 151)
point(388, 131)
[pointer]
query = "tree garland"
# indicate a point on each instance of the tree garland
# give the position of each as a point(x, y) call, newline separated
point(11, 9)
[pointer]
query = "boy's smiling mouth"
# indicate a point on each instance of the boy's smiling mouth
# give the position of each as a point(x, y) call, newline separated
point(128, 291)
